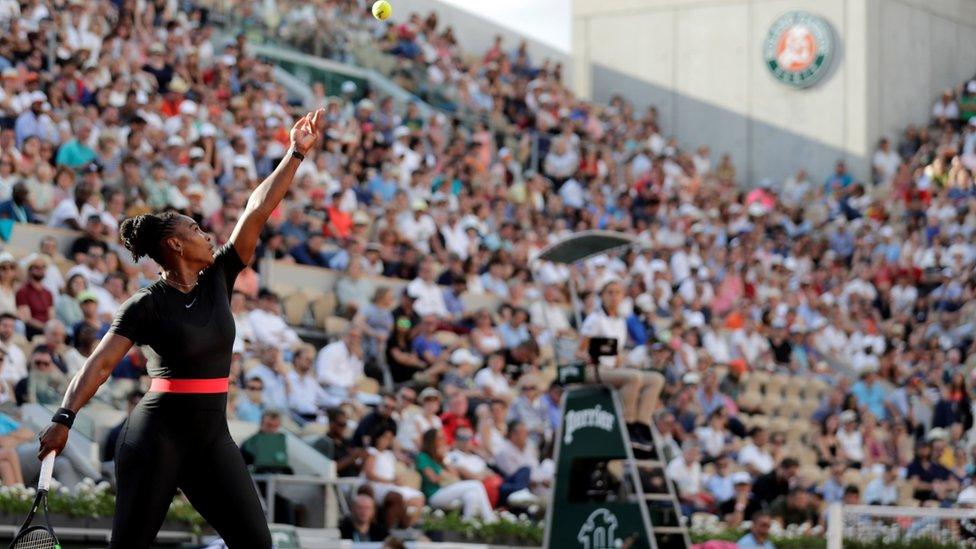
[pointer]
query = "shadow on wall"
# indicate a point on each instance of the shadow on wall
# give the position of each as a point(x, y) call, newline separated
point(759, 149)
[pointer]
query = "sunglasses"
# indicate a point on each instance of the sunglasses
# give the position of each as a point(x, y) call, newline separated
point(254, 388)
point(7, 267)
point(42, 363)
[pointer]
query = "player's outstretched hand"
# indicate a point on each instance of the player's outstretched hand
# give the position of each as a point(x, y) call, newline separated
point(307, 131)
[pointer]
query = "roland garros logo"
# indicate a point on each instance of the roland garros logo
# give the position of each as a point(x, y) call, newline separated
point(591, 417)
point(798, 49)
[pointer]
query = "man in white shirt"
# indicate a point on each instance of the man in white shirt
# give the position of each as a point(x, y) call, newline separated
point(849, 437)
point(462, 457)
point(273, 373)
point(561, 162)
point(573, 194)
point(945, 108)
point(70, 212)
point(93, 269)
point(428, 295)
point(517, 456)
point(883, 490)
point(749, 343)
point(686, 473)
point(755, 457)
point(795, 188)
point(885, 162)
point(416, 226)
point(339, 365)
point(306, 397)
point(15, 365)
point(550, 316)
point(268, 325)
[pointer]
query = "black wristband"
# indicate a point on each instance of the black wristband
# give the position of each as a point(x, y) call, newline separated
point(297, 155)
point(65, 417)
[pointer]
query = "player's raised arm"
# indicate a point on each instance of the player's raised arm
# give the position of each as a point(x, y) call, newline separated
point(304, 135)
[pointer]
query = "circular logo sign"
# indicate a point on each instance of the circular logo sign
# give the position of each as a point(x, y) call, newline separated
point(798, 48)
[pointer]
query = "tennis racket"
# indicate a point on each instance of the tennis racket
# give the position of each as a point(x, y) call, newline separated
point(39, 536)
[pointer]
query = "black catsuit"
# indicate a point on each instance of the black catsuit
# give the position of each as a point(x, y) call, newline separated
point(179, 440)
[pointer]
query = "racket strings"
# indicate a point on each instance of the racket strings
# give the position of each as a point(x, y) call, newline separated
point(35, 539)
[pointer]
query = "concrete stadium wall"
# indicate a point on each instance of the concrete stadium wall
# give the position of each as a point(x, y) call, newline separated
point(921, 47)
point(476, 34)
point(700, 63)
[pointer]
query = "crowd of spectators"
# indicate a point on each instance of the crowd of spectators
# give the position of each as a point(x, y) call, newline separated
point(864, 286)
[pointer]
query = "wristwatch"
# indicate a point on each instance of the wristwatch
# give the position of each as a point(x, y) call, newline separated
point(298, 155)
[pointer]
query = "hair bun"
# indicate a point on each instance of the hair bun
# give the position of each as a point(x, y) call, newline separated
point(140, 234)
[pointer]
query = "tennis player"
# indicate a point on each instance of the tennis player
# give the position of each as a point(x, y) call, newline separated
point(177, 437)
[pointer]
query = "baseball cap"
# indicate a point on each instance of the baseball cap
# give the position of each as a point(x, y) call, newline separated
point(741, 477)
point(429, 392)
point(464, 356)
point(86, 295)
point(195, 189)
point(188, 108)
point(360, 218)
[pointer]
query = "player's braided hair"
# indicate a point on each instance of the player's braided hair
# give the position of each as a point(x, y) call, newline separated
point(143, 235)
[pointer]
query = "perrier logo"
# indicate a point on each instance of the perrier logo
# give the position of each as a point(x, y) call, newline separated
point(798, 48)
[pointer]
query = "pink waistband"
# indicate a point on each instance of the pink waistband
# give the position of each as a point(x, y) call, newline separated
point(199, 386)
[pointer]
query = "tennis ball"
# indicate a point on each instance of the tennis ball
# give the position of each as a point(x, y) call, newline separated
point(382, 10)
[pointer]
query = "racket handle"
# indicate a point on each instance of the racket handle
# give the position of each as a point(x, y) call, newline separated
point(47, 470)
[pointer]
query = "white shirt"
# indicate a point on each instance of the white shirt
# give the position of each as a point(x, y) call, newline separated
point(417, 231)
point(753, 345)
point(600, 324)
point(877, 492)
point(306, 395)
point(471, 463)
point(271, 329)
point(413, 426)
point(456, 239)
point(497, 383)
point(337, 367)
point(94, 278)
point(903, 297)
point(67, 209)
point(716, 343)
point(572, 194)
point(712, 440)
point(687, 477)
point(886, 163)
point(761, 460)
point(942, 110)
point(852, 444)
point(274, 394)
point(549, 316)
point(429, 298)
point(15, 365)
